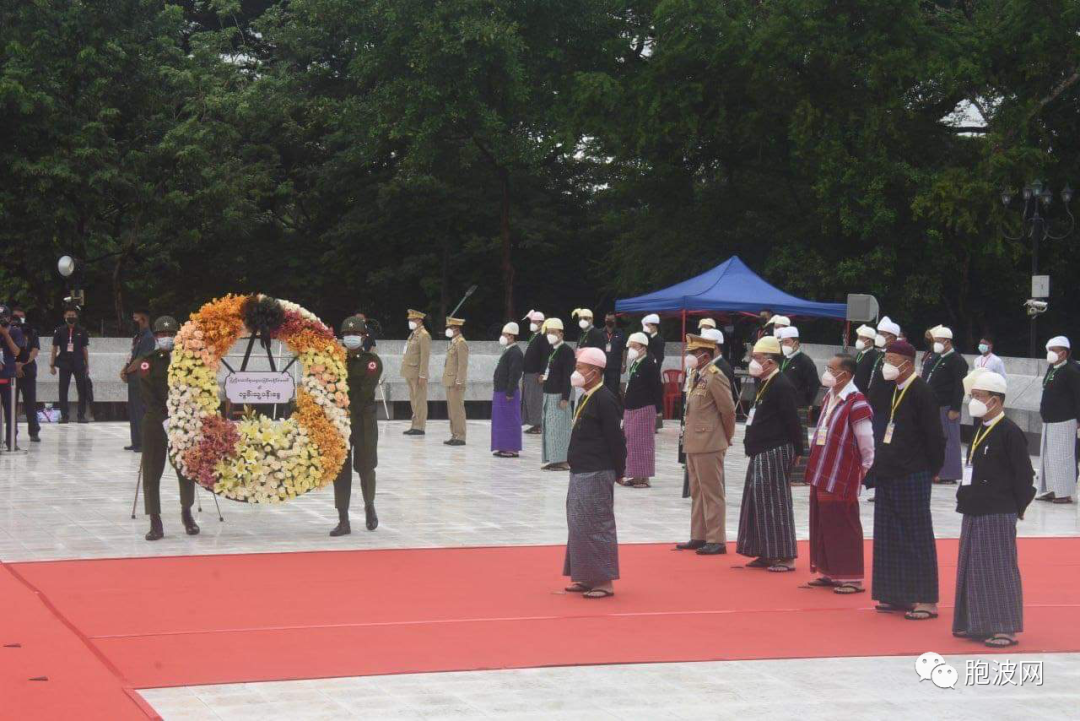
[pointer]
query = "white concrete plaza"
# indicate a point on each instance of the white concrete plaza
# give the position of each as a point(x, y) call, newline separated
point(71, 495)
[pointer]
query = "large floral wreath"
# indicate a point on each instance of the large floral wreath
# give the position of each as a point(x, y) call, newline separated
point(257, 459)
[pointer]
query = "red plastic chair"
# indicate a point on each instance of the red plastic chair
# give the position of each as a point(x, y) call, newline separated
point(673, 380)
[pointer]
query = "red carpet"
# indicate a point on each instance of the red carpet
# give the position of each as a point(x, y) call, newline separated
point(217, 619)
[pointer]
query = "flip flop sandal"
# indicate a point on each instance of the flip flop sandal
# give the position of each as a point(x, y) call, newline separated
point(822, 583)
point(577, 588)
point(889, 608)
point(969, 636)
point(921, 615)
point(1062, 500)
point(500, 454)
point(1046, 499)
point(1000, 642)
point(780, 568)
point(641, 483)
point(598, 593)
point(757, 563)
point(848, 589)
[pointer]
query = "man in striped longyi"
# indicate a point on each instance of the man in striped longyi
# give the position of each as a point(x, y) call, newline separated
point(774, 437)
point(996, 489)
point(641, 403)
point(1059, 409)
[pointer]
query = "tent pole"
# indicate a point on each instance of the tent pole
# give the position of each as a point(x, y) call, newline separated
point(683, 334)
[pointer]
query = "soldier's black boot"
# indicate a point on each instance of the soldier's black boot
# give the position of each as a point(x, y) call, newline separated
point(342, 528)
point(372, 519)
point(156, 531)
point(190, 526)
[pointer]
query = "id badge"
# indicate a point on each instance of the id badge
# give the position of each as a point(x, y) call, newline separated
point(544, 377)
point(966, 480)
point(821, 433)
point(888, 433)
point(608, 347)
point(750, 416)
point(71, 347)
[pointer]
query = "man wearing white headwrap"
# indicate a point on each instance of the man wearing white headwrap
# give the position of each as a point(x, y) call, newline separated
point(800, 369)
point(597, 460)
point(651, 326)
point(868, 359)
point(1060, 412)
point(995, 492)
point(557, 387)
point(506, 396)
point(590, 336)
point(532, 381)
point(945, 376)
point(643, 399)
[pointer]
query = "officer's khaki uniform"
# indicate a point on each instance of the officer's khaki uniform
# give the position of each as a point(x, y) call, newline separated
point(414, 369)
point(710, 426)
point(455, 376)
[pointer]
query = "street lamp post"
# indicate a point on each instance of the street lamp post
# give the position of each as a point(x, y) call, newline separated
point(1034, 225)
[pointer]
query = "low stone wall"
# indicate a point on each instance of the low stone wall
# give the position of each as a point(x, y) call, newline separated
point(107, 356)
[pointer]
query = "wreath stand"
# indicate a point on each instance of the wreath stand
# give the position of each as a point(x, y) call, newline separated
point(228, 411)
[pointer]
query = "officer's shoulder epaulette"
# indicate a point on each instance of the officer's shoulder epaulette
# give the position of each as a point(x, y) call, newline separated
point(713, 369)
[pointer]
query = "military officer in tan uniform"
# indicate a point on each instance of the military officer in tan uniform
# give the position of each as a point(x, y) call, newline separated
point(455, 376)
point(710, 426)
point(414, 369)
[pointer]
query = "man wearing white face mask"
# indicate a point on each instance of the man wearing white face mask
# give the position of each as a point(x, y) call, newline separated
point(532, 378)
point(945, 376)
point(905, 458)
point(455, 376)
point(651, 325)
point(153, 373)
point(414, 369)
point(597, 461)
point(1060, 413)
point(842, 451)
point(639, 414)
point(557, 415)
point(707, 434)
point(363, 369)
point(802, 372)
point(590, 336)
point(996, 491)
point(506, 397)
point(774, 438)
point(868, 359)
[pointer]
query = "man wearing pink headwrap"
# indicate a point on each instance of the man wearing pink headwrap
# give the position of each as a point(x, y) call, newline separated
point(597, 458)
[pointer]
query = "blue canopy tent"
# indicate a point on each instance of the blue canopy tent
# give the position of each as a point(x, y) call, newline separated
point(730, 287)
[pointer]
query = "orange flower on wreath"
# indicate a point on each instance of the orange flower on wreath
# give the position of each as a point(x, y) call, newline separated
point(332, 449)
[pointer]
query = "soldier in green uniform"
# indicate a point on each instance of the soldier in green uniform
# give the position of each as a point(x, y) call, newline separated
point(364, 371)
point(153, 373)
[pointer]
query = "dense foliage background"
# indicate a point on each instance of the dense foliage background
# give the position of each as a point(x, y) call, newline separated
point(385, 154)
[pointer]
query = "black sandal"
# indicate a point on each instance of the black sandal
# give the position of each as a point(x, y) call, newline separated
point(822, 583)
point(920, 614)
point(577, 588)
point(598, 593)
point(758, 563)
point(999, 640)
point(780, 568)
point(884, 607)
point(504, 454)
point(848, 589)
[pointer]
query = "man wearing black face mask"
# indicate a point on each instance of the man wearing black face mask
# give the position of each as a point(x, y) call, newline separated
point(11, 345)
point(142, 345)
point(71, 354)
point(26, 371)
point(615, 348)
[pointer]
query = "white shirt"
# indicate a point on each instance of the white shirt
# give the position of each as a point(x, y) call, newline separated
point(991, 363)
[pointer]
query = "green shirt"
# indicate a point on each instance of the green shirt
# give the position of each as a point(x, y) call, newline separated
point(153, 371)
point(364, 371)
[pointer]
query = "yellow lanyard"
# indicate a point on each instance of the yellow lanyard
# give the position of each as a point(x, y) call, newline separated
point(896, 401)
point(761, 392)
point(981, 435)
point(581, 406)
